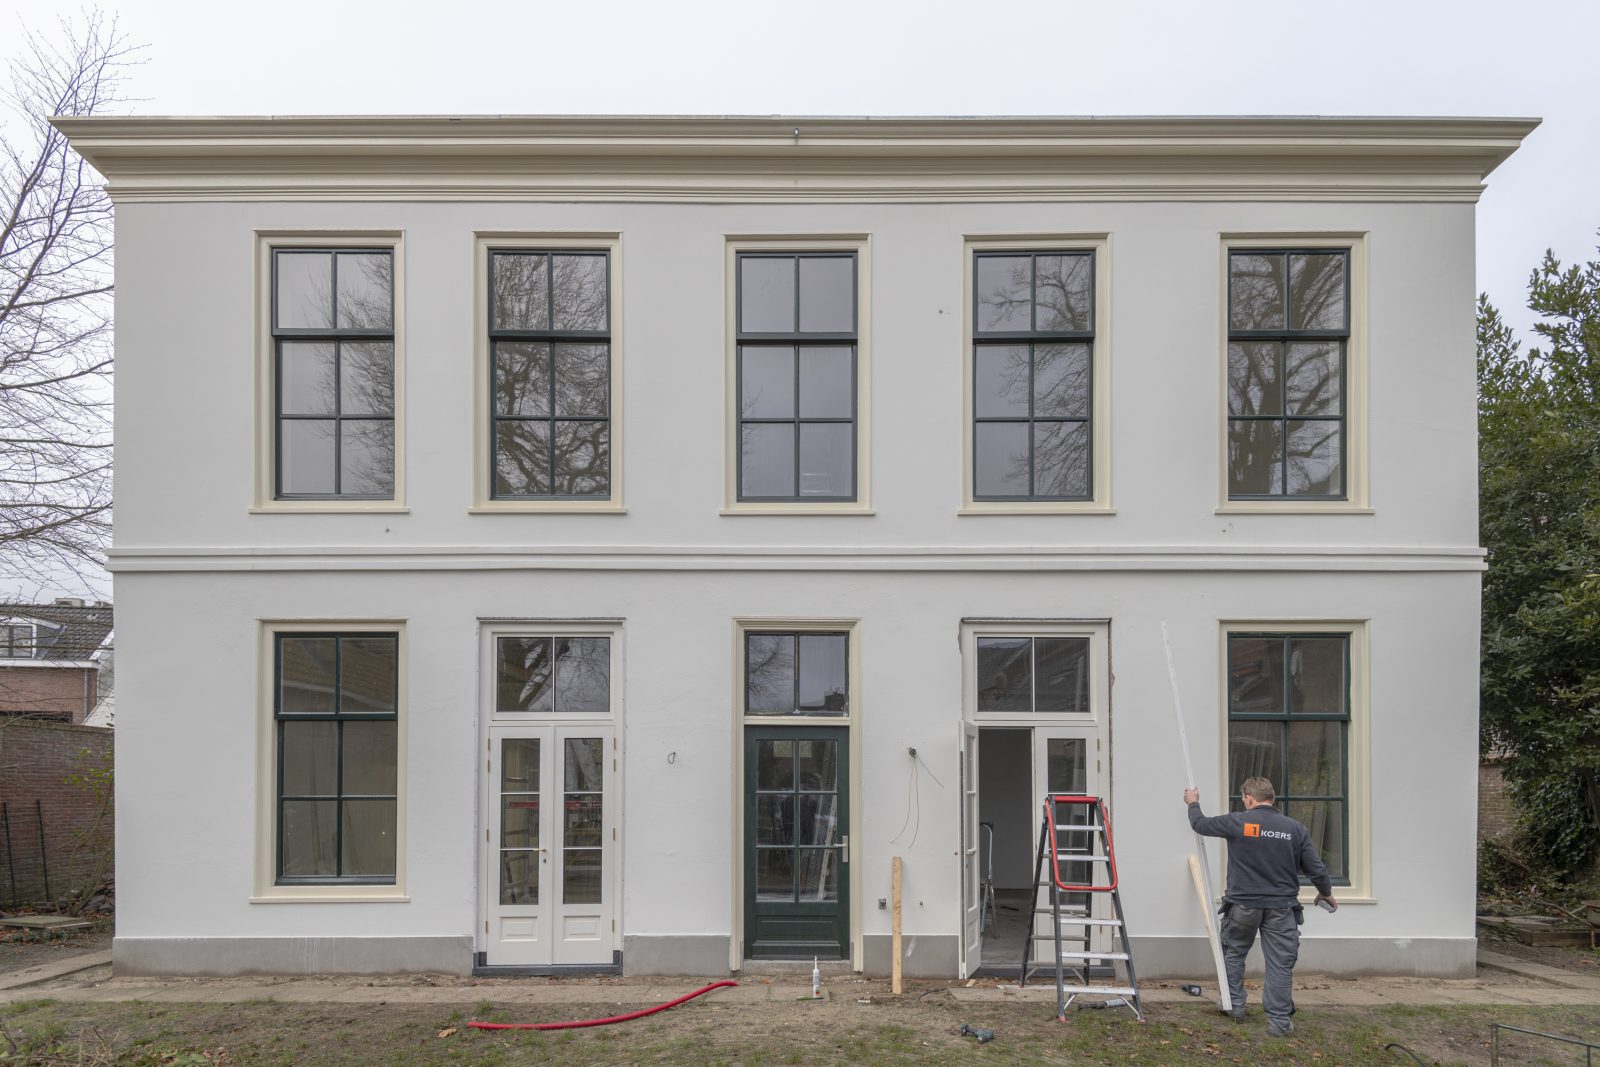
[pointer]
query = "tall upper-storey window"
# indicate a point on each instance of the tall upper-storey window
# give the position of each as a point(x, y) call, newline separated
point(796, 369)
point(1037, 402)
point(549, 334)
point(1289, 313)
point(333, 349)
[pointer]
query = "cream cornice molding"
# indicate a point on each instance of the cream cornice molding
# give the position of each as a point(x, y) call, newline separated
point(793, 159)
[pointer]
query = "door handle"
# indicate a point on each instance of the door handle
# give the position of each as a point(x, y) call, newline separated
point(844, 849)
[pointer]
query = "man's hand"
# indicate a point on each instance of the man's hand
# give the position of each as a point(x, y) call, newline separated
point(1333, 905)
point(1191, 796)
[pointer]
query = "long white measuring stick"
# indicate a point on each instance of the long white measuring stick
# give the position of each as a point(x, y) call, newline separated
point(1199, 867)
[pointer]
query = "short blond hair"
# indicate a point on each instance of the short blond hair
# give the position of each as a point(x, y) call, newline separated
point(1259, 790)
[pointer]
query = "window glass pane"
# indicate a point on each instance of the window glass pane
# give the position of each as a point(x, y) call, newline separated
point(774, 764)
point(1061, 381)
point(1066, 765)
point(827, 294)
point(583, 459)
point(817, 765)
point(1314, 380)
point(1004, 292)
point(766, 294)
point(304, 290)
point(1254, 387)
point(366, 280)
point(583, 675)
point(366, 378)
point(307, 456)
point(581, 876)
point(1314, 458)
point(1317, 292)
point(310, 759)
point(305, 378)
point(367, 667)
point(369, 838)
point(521, 292)
point(1064, 291)
point(579, 291)
point(1061, 666)
point(519, 820)
point(1000, 381)
point(1061, 459)
point(766, 382)
point(1255, 750)
point(1325, 820)
point(819, 819)
point(827, 380)
point(1255, 457)
point(1002, 461)
point(827, 459)
point(519, 765)
point(370, 758)
point(769, 674)
point(309, 835)
point(306, 666)
point(819, 874)
point(523, 678)
point(1255, 676)
point(521, 378)
point(583, 816)
point(522, 458)
point(1256, 291)
point(824, 685)
point(775, 874)
point(775, 820)
point(519, 877)
point(1005, 674)
point(584, 764)
point(1316, 759)
point(1317, 683)
point(767, 459)
point(583, 379)
point(366, 457)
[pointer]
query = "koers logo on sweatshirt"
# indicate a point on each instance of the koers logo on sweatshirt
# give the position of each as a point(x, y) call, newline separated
point(1253, 829)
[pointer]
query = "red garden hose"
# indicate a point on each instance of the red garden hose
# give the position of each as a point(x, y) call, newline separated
point(576, 1023)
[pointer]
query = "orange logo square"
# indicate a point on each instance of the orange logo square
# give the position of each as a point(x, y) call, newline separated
point(1252, 829)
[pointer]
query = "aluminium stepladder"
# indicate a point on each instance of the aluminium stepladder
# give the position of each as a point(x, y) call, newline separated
point(1075, 878)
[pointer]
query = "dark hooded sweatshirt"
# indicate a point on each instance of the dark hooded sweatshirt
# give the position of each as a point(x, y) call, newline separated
point(1267, 853)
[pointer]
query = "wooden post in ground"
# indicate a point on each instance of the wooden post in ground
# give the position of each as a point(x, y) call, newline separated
point(898, 868)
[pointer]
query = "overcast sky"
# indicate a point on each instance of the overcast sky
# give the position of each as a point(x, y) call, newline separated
point(931, 57)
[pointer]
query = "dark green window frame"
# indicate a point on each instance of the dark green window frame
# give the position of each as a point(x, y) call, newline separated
point(1284, 713)
point(340, 719)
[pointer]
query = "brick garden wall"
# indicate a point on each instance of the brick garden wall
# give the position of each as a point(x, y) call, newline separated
point(36, 758)
point(1497, 816)
point(68, 693)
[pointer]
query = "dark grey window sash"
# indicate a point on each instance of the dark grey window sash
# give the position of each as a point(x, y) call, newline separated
point(1032, 338)
point(336, 336)
point(794, 701)
point(1289, 717)
point(551, 337)
point(1284, 337)
point(799, 341)
point(340, 718)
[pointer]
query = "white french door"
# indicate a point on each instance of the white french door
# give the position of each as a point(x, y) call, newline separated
point(550, 818)
point(972, 858)
point(1066, 760)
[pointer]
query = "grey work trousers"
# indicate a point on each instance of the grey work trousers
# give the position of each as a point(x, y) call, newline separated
point(1280, 947)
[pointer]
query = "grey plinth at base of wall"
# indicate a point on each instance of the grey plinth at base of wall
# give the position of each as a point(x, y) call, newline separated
point(921, 955)
point(665, 954)
point(224, 956)
point(1422, 957)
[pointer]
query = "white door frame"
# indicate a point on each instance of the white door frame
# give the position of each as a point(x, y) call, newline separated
point(494, 725)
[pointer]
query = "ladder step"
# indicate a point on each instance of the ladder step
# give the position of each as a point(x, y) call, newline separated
point(1078, 857)
point(1085, 829)
point(1095, 956)
point(1100, 990)
point(1080, 920)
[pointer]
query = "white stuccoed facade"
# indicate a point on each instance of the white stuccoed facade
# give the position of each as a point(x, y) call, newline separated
point(203, 563)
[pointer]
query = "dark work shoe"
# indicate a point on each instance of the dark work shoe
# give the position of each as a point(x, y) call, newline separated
point(1236, 1014)
point(1275, 1028)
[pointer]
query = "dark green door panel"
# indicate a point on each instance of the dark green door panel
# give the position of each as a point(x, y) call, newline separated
point(796, 816)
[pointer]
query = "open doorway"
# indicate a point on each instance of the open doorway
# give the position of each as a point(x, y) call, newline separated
point(1008, 824)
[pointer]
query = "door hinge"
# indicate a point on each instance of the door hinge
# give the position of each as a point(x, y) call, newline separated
point(613, 764)
point(613, 926)
point(613, 833)
point(486, 928)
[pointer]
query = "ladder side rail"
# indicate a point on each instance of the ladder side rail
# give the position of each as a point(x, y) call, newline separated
point(1033, 912)
point(1127, 947)
point(1055, 902)
point(1055, 849)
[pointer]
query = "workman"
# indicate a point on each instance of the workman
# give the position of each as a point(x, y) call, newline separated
point(1267, 854)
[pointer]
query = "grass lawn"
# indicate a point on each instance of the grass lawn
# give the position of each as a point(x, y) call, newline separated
point(46, 1033)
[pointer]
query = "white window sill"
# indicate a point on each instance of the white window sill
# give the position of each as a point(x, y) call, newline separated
point(539, 507)
point(1293, 507)
point(734, 510)
point(332, 507)
point(1043, 507)
point(322, 896)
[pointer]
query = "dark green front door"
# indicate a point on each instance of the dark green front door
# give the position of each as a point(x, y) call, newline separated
point(796, 848)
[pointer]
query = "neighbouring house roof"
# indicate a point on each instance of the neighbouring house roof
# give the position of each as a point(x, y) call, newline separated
point(71, 631)
point(792, 159)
